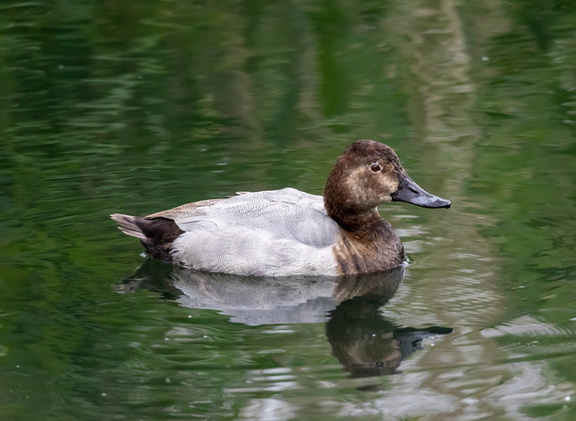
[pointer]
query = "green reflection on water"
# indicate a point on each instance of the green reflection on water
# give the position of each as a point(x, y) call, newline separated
point(140, 106)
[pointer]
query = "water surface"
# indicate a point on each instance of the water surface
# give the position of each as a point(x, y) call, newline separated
point(136, 107)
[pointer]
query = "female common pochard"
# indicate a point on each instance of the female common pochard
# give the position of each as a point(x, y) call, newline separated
point(288, 232)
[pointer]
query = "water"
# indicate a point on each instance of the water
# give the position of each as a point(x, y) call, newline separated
point(136, 107)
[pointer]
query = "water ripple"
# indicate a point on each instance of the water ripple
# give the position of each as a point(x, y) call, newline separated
point(530, 335)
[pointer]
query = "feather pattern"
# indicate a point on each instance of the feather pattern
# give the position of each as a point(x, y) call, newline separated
point(287, 213)
point(277, 233)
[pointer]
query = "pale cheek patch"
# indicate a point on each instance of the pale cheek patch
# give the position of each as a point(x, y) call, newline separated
point(370, 189)
point(353, 185)
point(389, 184)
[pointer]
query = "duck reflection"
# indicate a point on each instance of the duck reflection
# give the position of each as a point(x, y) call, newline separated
point(364, 342)
point(367, 344)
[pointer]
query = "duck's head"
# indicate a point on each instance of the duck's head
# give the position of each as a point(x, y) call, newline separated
point(369, 173)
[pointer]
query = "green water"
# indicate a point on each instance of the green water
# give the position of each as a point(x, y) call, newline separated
point(137, 107)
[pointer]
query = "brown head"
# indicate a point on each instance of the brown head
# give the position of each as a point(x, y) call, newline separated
point(367, 174)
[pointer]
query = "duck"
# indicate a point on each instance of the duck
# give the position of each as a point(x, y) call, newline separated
point(288, 232)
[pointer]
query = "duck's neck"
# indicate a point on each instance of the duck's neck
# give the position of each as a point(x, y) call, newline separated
point(368, 226)
point(359, 223)
point(368, 243)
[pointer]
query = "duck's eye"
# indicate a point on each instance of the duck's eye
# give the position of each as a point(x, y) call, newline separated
point(375, 168)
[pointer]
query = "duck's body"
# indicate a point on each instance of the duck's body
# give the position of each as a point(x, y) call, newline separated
point(288, 232)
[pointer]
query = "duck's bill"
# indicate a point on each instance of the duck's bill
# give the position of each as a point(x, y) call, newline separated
point(410, 192)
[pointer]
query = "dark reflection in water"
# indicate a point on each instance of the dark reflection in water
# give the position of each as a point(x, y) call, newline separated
point(361, 338)
point(369, 345)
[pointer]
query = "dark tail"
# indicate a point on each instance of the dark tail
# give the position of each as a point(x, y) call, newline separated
point(155, 234)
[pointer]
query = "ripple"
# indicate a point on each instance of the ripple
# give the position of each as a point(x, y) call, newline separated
point(528, 326)
point(533, 336)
